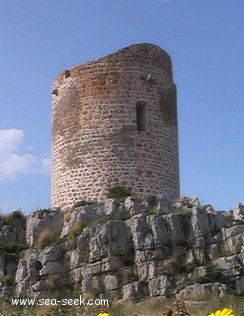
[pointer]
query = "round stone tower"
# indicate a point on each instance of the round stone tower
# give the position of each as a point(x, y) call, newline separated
point(114, 122)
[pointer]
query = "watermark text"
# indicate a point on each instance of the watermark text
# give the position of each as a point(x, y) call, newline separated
point(59, 302)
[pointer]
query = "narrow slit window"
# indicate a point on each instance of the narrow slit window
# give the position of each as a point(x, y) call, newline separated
point(141, 116)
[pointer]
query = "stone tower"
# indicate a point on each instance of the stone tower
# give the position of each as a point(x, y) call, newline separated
point(114, 122)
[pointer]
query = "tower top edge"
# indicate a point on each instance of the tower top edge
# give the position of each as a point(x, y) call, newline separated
point(139, 49)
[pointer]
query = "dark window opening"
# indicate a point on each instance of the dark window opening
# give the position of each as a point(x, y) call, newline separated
point(141, 116)
point(38, 266)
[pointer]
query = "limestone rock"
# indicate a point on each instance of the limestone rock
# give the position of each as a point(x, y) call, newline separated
point(109, 207)
point(238, 213)
point(134, 290)
point(199, 223)
point(197, 292)
point(230, 267)
point(133, 206)
point(161, 286)
point(239, 286)
point(52, 253)
point(12, 229)
point(220, 221)
point(147, 254)
point(162, 203)
point(38, 221)
point(186, 203)
point(110, 282)
point(178, 230)
point(21, 273)
point(110, 239)
point(79, 217)
point(233, 238)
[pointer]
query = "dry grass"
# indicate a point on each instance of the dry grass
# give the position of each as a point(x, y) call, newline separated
point(67, 216)
point(44, 238)
point(75, 230)
point(50, 279)
point(146, 307)
point(44, 310)
point(156, 307)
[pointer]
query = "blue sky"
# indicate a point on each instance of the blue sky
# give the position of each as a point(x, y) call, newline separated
point(38, 39)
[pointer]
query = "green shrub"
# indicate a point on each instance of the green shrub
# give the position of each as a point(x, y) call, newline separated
point(186, 213)
point(226, 253)
point(151, 199)
point(7, 219)
point(12, 247)
point(82, 203)
point(186, 202)
point(214, 273)
point(197, 279)
point(45, 210)
point(8, 280)
point(153, 210)
point(174, 210)
point(132, 277)
point(118, 193)
point(121, 214)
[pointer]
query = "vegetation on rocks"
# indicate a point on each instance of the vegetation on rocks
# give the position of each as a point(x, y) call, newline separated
point(127, 253)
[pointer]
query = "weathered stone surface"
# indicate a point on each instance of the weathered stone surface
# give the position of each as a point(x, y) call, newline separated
point(80, 217)
point(186, 202)
point(239, 286)
point(92, 285)
point(238, 213)
point(133, 206)
point(141, 232)
point(134, 290)
point(199, 223)
point(52, 253)
point(21, 273)
point(162, 203)
point(12, 229)
point(233, 238)
point(230, 266)
point(97, 141)
point(2, 264)
point(110, 282)
point(161, 286)
point(197, 292)
point(109, 207)
point(178, 230)
point(211, 216)
point(145, 255)
point(111, 239)
point(52, 221)
point(220, 220)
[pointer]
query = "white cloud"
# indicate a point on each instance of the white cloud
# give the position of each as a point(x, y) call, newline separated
point(10, 139)
point(45, 166)
point(12, 160)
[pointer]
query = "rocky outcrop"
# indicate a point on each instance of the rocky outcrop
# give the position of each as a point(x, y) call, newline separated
point(38, 221)
point(12, 241)
point(129, 249)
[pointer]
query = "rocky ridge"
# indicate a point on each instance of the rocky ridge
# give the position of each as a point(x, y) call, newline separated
point(124, 250)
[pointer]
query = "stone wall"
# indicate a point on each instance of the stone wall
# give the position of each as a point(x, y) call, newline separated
point(114, 122)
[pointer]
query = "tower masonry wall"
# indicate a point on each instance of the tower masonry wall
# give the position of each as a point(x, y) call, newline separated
point(97, 139)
